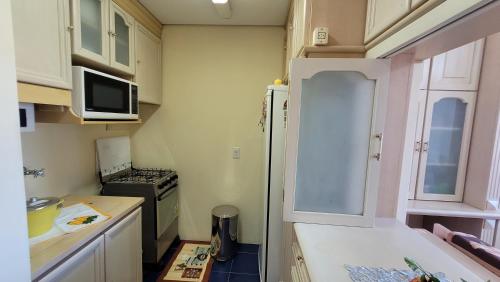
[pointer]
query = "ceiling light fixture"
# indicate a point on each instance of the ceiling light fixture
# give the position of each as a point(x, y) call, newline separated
point(223, 8)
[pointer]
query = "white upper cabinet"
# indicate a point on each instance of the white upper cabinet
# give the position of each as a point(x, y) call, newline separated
point(42, 42)
point(334, 140)
point(122, 30)
point(123, 249)
point(90, 29)
point(104, 34)
point(85, 266)
point(381, 14)
point(458, 69)
point(445, 145)
point(148, 68)
point(416, 3)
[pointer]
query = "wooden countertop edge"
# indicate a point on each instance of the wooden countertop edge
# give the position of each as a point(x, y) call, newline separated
point(99, 229)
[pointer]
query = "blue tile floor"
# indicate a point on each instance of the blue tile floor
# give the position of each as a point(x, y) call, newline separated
point(242, 268)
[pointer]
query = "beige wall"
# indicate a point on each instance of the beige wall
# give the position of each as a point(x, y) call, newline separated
point(214, 82)
point(483, 176)
point(67, 152)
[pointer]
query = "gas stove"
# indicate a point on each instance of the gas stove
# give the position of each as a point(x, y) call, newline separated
point(144, 176)
point(158, 187)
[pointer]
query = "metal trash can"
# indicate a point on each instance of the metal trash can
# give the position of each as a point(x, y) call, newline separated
point(224, 242)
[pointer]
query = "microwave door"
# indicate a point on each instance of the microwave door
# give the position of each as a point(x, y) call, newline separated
point(106, 98)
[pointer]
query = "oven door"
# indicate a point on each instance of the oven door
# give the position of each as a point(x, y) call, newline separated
point(166, 210)
point(105, 97)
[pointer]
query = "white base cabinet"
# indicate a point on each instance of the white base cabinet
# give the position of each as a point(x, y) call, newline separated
point(298, 267)
point(123, 249)
point(87, 265)
point(115, 256)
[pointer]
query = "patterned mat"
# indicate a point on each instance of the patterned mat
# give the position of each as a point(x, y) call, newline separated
point(191, 262)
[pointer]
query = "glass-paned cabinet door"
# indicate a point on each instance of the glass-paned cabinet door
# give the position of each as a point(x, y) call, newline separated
point(90, 23)
point(446, 137)
point(334, 140)
point(122, 39)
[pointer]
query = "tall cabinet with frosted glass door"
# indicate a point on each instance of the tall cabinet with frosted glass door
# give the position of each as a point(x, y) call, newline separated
point(445, 110)
point(103, 34)
point(336, 113)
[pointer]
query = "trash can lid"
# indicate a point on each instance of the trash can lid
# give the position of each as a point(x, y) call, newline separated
point(225, 211)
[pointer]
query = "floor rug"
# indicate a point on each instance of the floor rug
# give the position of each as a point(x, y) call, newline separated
point(191, 262)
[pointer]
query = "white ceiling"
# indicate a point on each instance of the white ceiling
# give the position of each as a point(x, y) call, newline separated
point(245, 12)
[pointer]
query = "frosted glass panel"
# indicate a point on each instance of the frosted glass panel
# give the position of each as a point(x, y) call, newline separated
point(334, 135)
point(90, 17)
point(121, 40)
point(445, 142)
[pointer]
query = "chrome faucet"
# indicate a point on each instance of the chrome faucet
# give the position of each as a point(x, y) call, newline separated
point(35, 172)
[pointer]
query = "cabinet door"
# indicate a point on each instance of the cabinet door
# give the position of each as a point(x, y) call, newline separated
point(415, 126)
point(123, 249)
point(334, 137)
point(87, 265)
point(416, 122)
point(447, 129)
point(90, 22)
point(381, 14)
point(42, 42)
point(416, 3)
point(458, 69)
point(122, 51)
point(148, 65)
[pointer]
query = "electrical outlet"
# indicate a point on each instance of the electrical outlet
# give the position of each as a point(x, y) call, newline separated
point(320, 36)
point(236, 152)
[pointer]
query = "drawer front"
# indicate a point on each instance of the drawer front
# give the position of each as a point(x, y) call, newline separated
point(295, 275)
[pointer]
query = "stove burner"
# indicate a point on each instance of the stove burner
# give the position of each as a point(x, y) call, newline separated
point(147, 175)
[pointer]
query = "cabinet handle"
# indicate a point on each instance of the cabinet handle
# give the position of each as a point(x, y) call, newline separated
point(70, 28)
point(425, 147)
point(378, 155)
point(300, 259)
point(418, 146)
point(111, 33)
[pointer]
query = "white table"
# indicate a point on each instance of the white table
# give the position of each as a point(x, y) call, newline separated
point(326, 249)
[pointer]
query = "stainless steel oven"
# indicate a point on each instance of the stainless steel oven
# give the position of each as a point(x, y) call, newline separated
point(166, 210)
point(158, 187)
point(166, 219)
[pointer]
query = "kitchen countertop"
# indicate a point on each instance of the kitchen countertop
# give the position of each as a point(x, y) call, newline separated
point(45, 255)
point(327, 248)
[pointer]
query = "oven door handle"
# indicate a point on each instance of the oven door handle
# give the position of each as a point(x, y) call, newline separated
point(166, 193)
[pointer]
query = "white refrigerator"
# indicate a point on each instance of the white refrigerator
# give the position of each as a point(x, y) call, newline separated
point(273, 123)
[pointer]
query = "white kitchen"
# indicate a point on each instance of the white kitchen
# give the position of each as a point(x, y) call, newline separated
point(233, 140)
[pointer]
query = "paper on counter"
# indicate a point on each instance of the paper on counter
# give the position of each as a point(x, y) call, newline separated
point(76, 217)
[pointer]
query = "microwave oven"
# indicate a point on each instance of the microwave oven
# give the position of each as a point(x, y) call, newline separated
point(100, 96)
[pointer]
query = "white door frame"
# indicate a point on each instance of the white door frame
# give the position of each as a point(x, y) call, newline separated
point(14, 257)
